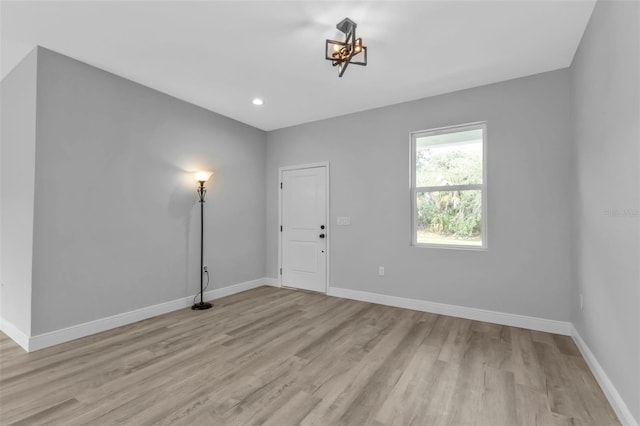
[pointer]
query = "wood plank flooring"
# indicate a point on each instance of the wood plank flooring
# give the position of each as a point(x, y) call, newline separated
point(283, 357)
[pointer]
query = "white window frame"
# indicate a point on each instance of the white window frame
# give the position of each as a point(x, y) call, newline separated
point(482, 187)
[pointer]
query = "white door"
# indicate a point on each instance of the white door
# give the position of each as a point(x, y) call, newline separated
point(304, 228)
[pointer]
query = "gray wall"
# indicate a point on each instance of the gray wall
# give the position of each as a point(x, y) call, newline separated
point(526, 269)
point(116, 215)
point(17, 165)
point(606, 103)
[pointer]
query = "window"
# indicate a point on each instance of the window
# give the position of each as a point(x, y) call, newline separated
point(448, 187)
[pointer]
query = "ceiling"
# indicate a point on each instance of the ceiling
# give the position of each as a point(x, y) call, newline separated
point(221, 54)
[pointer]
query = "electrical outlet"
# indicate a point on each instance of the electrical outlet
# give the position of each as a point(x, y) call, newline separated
point(381, 270)
point(581, 302)
point(205, 268)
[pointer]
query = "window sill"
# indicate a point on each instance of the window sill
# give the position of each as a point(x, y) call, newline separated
point(451, 246)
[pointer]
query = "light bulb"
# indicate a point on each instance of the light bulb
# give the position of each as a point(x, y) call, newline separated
point(358, 46)
point(202, 176)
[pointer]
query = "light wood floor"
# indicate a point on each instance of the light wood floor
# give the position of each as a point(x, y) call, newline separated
point(283, 357)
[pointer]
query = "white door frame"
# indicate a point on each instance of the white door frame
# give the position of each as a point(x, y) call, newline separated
point(328, 218)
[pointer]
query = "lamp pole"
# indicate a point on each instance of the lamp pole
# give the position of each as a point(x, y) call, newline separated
point(202, 190)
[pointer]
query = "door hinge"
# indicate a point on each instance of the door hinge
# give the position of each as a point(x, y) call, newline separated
point(280, 185)
point(280, 228)
point(280, 271)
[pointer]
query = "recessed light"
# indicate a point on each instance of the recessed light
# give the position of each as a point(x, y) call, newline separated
point(257, 101)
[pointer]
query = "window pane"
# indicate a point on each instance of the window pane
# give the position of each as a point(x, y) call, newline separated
point(449, 217)
point(449, 159)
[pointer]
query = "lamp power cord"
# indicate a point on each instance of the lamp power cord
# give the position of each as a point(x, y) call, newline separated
point(206, 271)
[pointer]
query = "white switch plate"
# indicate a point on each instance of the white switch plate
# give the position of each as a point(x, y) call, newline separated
point(344, 220)
point(381, 270)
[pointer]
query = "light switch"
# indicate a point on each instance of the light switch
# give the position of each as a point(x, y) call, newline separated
point(344, 220)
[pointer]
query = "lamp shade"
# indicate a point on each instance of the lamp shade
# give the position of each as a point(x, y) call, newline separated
point(202, 176)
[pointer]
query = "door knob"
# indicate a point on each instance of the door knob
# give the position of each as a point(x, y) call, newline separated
point(321, 235)
point(321, 226)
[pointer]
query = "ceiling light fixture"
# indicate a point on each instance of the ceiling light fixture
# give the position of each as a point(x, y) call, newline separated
point(257, 101)
point(341, 53)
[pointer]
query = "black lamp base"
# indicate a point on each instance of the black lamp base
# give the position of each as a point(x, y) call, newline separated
point(200, 306)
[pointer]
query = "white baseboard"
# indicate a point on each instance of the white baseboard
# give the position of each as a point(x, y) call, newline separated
point(51, 338)
point(610, 391)
point(16, 334)
point(533, 323)
point(232, 289)
point(273, 282)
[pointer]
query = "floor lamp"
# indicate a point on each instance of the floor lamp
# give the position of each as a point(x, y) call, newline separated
point(202, 178)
